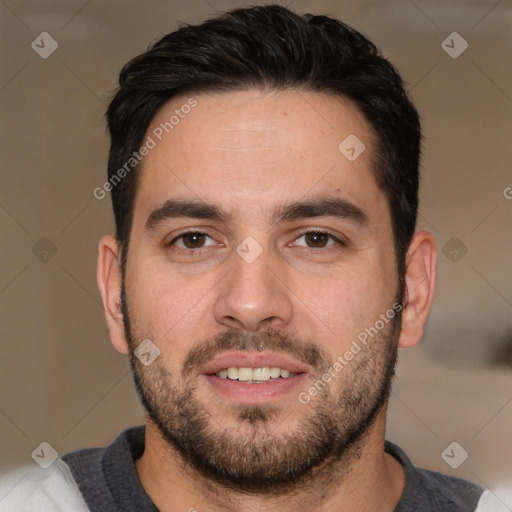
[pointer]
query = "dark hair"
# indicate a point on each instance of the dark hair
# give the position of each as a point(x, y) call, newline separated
point(271, 48)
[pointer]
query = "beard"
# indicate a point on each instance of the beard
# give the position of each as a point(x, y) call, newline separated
point(250, 455)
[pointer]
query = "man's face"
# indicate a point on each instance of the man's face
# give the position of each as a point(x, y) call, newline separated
point(284, 259)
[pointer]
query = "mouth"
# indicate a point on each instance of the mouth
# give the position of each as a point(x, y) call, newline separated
point(251, 378)
point(254, 375)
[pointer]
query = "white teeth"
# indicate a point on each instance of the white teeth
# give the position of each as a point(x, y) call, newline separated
point(260, 374)
point(275, 372)
point(233, 373)
point(245, 374)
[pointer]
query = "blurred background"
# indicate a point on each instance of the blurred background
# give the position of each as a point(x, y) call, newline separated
point(61, 382)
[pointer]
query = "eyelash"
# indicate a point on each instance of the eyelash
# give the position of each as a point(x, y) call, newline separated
point(199, 250)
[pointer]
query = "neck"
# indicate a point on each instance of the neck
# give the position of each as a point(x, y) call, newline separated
point(365, 479)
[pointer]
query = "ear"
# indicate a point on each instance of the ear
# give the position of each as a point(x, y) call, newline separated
point(420, 280)
point(109, 280)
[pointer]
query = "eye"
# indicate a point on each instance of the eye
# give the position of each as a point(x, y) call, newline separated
point(192, 240)
point(317, 239)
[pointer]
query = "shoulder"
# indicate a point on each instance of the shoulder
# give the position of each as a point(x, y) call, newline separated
point(471, 497)
point(107, 477)
point(432, 491)
point(444, 491)
point(34, 489)
point(72, 480)
point(500, 500)
point(97, 467)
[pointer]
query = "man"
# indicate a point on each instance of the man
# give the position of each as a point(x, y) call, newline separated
point(265, 270)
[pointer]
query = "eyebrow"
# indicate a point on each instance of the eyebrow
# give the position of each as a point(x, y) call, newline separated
point(315, 207)
point(173, 209)
point(322, 207)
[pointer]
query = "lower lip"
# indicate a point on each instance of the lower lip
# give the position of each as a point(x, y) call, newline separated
point(257, 392)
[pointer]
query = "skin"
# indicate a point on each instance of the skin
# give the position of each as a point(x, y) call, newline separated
point(251, 152)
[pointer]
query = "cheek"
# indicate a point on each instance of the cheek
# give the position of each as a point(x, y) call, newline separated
point(345, 302)
point(157, 294)
point(168, 308)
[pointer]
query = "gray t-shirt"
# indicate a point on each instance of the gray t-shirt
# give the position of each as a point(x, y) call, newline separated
point(108, 480)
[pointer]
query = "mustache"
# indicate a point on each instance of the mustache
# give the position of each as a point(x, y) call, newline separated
point(272, 340)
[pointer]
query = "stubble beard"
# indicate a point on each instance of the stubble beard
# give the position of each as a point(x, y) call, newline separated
point(245, 450)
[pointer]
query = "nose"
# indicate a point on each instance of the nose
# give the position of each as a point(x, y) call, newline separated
point(254, 295)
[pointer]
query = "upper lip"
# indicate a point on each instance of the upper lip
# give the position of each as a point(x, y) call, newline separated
point(246, 359)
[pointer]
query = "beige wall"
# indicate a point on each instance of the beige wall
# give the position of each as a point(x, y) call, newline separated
point(62, 382)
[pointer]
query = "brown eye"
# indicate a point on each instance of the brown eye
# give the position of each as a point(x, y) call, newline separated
point(318, 240)
point(314, 239)
point(192, 240)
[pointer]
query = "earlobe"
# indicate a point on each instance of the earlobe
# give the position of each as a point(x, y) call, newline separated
point(420, 283)
point(109, 280)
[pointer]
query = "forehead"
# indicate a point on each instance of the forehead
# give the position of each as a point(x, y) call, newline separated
point(253, 149)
